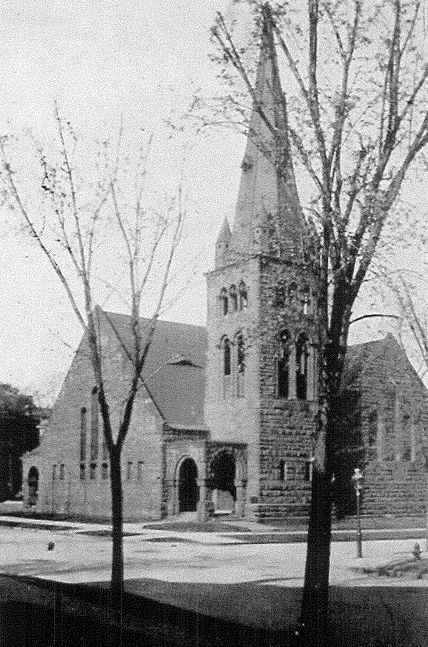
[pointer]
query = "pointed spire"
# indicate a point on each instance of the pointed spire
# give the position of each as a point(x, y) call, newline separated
point(268, 216)
point(222, 244)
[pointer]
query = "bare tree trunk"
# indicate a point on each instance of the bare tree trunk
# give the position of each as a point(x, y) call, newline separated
point(117, 570)
point(313, 629)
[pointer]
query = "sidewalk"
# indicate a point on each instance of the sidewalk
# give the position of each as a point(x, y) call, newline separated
point(247, 577)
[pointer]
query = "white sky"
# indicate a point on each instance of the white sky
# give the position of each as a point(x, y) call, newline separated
point(103, 60)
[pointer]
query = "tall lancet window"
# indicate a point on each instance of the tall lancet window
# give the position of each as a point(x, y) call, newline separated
point(240, 365)
point(227, 366)
point(233, 299)
point(302, 356)
point(283, 365)
point(94, 424)
point(243, 296)
point(83, 430)
point(224, 302)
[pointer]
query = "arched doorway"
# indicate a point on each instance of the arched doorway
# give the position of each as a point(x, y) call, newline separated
point(223, 470)
point(187, 486)
point(33, 485)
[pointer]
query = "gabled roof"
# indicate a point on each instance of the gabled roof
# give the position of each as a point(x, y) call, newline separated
point(360, 357)
point(174, 370)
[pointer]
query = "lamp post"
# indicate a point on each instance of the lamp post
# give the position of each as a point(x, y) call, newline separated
point(357, 478)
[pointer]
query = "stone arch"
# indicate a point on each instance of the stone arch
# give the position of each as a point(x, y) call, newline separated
point(33, 485)
point(222, 477)
point(187, 484)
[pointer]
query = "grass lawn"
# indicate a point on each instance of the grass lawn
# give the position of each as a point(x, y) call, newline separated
point(40, 614)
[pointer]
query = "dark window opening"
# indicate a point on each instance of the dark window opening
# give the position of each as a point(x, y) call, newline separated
point(233, 295)
point(83, 431)
point(94, 424)
point(104, 471)
point(224, 302)
point(82, 472)
point(282, 470)
point(188, 491)
point(302, 355)
point(226, 357)
point(283, 364)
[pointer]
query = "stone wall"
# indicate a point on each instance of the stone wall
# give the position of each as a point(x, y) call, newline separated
point(386, 423)
point(287, 424)
point(394, 489)
point(69, 485)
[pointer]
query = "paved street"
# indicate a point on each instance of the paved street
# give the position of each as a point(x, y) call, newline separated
point(170, 556)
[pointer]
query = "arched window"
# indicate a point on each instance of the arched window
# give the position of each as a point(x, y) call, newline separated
point(283, 365)
point(233, 297)
point(227, 367)
point(240, 365)
point(243, 296)
point(306, 299)
point(302, 355)
point(83, 431)
point(94, 424)
point(224, 302)
point(226, 357)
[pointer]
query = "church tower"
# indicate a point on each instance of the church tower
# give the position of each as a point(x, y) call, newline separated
point(262, 315)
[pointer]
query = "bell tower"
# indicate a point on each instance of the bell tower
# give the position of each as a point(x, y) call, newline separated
point(262, 314)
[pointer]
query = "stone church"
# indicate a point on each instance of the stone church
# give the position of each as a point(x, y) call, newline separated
point(225, 422)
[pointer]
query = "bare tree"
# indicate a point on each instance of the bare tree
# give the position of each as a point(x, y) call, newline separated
point(406, 288)
point(352, 122)
point(75, 223)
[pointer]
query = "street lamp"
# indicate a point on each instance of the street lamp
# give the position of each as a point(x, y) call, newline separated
point(357, 479)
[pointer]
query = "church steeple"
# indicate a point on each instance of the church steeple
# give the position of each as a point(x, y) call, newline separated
point(268, 216)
